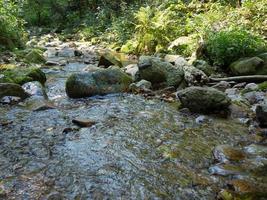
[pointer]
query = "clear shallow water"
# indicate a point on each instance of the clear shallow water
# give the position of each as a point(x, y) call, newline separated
point(138, 149)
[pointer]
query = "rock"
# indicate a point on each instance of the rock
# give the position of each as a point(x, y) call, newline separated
point(239, 110)
point(204, 66)
point(254, 97)
point(226, 153)
point(11, 89)
point(261, 114)
point(251, 86)
point(23, 75)
point(83, 122)
point(110, 58)
point(222, 86)
point(100, 82)
point(203, 100)
point(240, 85)
point(51, 63)
point(192, 75)
point(142, 85)
point(65, 52)
point(247, 66)
point(35, 56)
point(233, 94)
point(256, 149)
point(132, 70)
point(171, 58)
point(33, 88)
point(263, 56)
point(158, 72)
point(202, 119)
point(78, 53)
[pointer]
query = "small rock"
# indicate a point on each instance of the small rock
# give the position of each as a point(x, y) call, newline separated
point(261, 114)
point(202, 119)
point(11, 89)
point(240, 85)
point(254, 97)
point(51, 63)
point(83, 122)
point(142, 85)
point(251, 86)
point(222, 86)
point(132, 70)
point(226, 153)
point(33, 88)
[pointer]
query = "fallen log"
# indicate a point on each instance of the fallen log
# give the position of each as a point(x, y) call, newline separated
point(251, 78)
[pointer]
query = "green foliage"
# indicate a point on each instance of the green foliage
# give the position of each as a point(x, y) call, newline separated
point(11, 26)
point(226, 46)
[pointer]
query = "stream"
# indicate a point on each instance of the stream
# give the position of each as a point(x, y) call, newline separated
point(138, 149)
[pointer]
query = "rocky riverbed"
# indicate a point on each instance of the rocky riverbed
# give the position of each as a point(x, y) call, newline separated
point(124, 145)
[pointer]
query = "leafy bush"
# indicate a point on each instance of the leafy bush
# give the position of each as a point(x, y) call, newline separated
point(226, 46)
point(11, 26)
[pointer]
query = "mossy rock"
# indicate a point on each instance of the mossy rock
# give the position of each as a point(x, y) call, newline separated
point(35, 56)
point(11, 89)
point(21, 75)
point(100, 82)
point(109, 58)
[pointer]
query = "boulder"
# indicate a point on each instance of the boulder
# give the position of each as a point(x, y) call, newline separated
point(247, 66)
point(35, 56)
point(261, 114)
point(203, 99)
point(204, 66)
point(100, 82)
point(11, 89)
point(159, 72)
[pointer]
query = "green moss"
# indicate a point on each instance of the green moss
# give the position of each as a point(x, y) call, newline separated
point(21, 76)
point(263, 86)
point(35, 56)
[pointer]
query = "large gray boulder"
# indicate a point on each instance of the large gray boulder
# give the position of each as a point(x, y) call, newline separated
point(248, 66)
point(100, 82)
point(203, 99)
point(12, 89)
point(159, 72)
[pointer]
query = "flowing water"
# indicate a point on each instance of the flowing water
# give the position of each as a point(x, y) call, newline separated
point(138, 148)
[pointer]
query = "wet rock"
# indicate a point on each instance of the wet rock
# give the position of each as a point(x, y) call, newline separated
point(65, 52)
point(233, 94)
point(11, 89)
point(51, 63)
point(254, 97)
point(22, 75)
point(247, 66)
point(35, 56)
point(256, 149)
point(222, 86)
point(225, 170)
point(54, 196)
point(142, 85)
point(101, 82)
point(83, 122)
point(45, 106)
point(203, 100)
point(78, 53)
point(238, 109)
point(158, 72)
point(261, 114)
point(226, 153)
point(33, 88)
point(202, 119)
